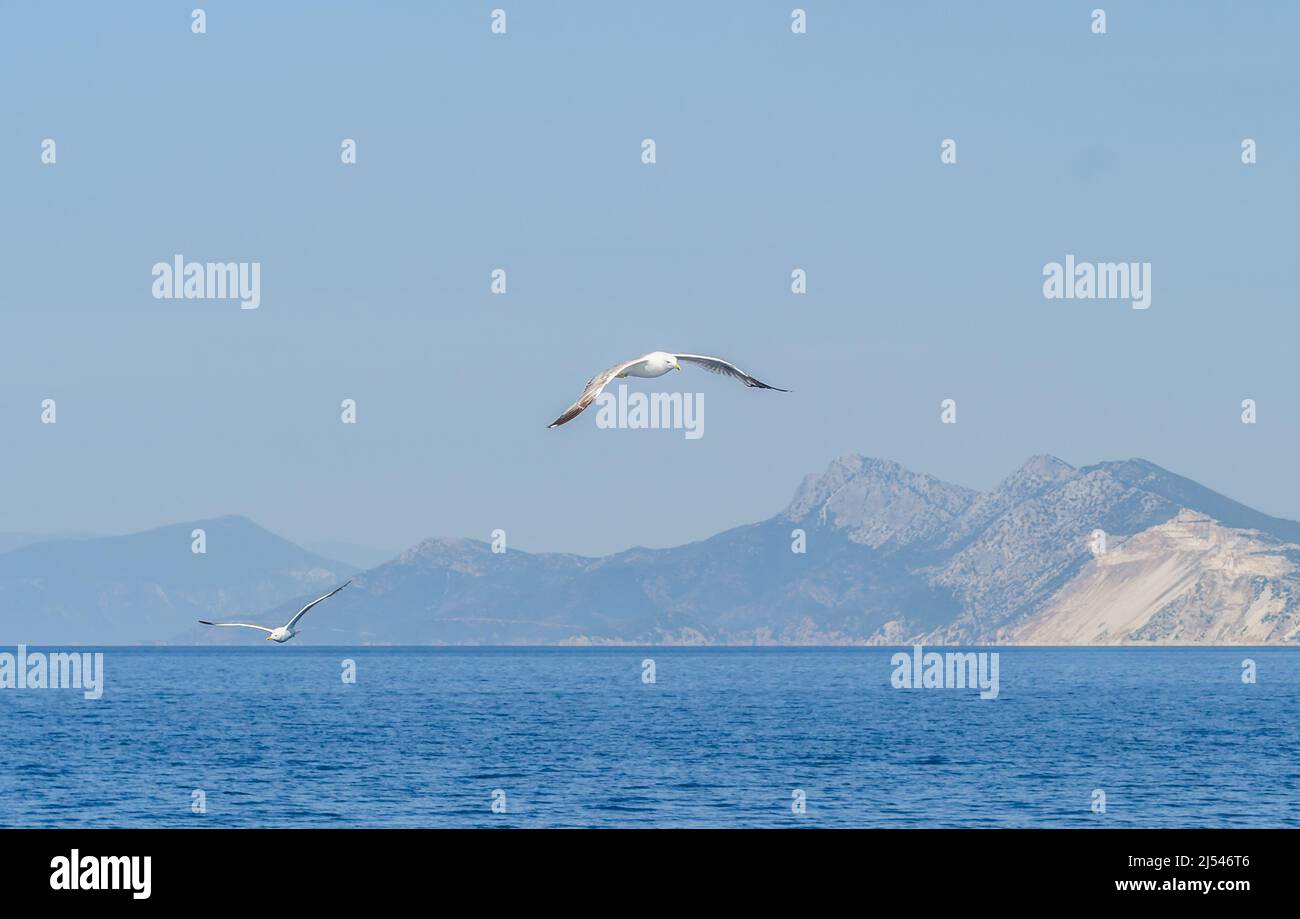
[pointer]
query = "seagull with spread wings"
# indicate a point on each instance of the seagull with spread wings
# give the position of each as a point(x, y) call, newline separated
point(654, 364)
point(284, 632)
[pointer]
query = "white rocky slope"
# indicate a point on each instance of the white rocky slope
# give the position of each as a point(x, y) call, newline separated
point(1187, 581)
point(1185, 564)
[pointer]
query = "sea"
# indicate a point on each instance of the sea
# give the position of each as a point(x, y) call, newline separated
point(285, 736)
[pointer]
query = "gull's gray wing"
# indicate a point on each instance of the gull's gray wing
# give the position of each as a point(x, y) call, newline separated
point(298, 615)
point(727, 369)
point(593, 389)
point(241, 625)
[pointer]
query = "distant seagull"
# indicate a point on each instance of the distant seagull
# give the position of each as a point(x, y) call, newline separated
point(284, 632)
point(654, 364)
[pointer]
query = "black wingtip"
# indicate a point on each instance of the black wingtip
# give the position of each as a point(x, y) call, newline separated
point(205, 622)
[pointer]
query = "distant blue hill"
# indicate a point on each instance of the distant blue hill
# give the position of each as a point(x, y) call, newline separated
point(149, 587)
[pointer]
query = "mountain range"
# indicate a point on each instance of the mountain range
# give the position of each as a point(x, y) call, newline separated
point(890, 556)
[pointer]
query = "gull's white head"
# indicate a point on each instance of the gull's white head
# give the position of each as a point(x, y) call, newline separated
point(660, 362)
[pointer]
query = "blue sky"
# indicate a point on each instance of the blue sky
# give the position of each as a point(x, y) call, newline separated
point(522, 151)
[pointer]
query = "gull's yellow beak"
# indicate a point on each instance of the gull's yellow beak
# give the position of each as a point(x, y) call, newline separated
point(676, 366)
point(268, 638)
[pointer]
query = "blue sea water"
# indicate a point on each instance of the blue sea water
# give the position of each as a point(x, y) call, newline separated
point(272, 736)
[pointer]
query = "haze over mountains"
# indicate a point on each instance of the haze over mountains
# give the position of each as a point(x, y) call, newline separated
point(892, 556)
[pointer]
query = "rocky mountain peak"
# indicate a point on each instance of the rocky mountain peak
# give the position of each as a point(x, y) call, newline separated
point(878, 501)
point(1043, 466)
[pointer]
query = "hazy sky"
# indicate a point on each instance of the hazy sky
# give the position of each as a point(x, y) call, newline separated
point(523, 151)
